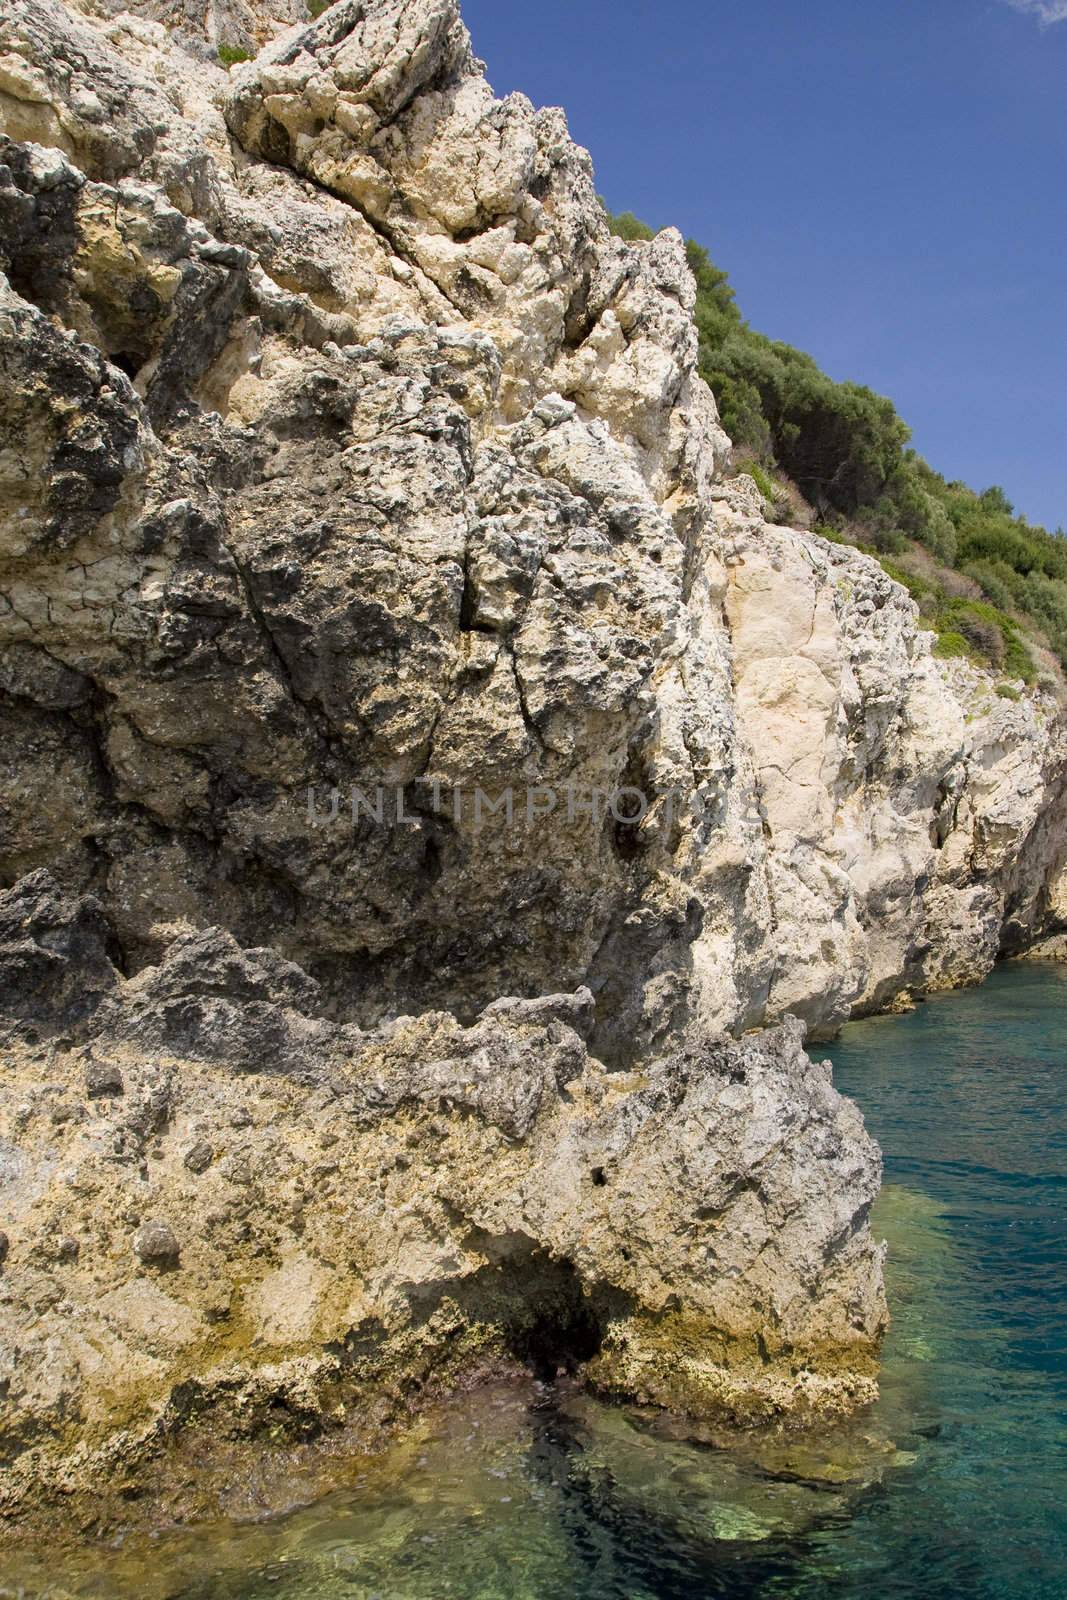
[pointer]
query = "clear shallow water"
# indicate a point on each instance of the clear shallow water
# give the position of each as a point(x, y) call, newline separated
point(954, 1485)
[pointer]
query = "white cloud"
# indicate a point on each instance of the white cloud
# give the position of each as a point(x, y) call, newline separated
point(1047, 11)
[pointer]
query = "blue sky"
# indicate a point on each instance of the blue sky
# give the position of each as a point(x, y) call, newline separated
point(882, 179)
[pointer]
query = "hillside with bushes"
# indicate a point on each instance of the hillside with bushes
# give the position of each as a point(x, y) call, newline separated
point(837, 456)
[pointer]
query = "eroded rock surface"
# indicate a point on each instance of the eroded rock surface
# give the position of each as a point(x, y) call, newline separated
point(341, 445)
point(361, 1214)
point(915, 819)
point(345, 446)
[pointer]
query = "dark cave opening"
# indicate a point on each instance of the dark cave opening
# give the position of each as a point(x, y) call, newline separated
point(544, 1316)
point(128, 361)
point(560, 1339)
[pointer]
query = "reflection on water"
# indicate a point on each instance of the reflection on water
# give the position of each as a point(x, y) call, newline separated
point(953, 1485)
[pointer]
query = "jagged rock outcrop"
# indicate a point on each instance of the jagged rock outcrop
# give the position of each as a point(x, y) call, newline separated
point(346, 446)
point(220, 1202)
point(916, 819)
point(342, 447)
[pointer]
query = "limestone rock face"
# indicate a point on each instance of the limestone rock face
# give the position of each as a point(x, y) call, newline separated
point(379, 641)
point(310, 489)
point(915, 819)
point(344, 447)
point(360, 1213)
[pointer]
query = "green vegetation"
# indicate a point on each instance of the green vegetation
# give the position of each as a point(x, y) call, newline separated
point(231, 54)
point(992, 636)
point(628, 227)
point(317, 7)
point(951, 643)
point(763, 481)
point(977, 629)
point(981, 574)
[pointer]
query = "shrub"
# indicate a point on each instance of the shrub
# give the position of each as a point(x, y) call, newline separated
point(919, 512)
point(625, 224)
point(838, 441)
point(1046, 599)
point(994, 499)
point(763, 481)
point(984, 635)
point(317, 7)
point(988, 575)
point(993, 635)
point(996, 542)
point(1008, 691)
point(231, 54)
point(917, 586)
point(1018, 660)
point(889, 541)
point(950, 644)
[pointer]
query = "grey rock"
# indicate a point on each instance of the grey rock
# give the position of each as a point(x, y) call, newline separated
point(496, 1174)
point(353, 462)
point(155, 1245)
point(147, 1111)
point(577, 1010)
point(31, 674)
point(102, 1079)
point(54, 962)
point(209, 1000)
point(199, 1156)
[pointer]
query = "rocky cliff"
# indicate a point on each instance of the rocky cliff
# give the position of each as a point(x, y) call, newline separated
point(384, 648)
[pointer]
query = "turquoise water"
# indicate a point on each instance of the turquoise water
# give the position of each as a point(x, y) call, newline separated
point(968, 1098)
point(954, 1485)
